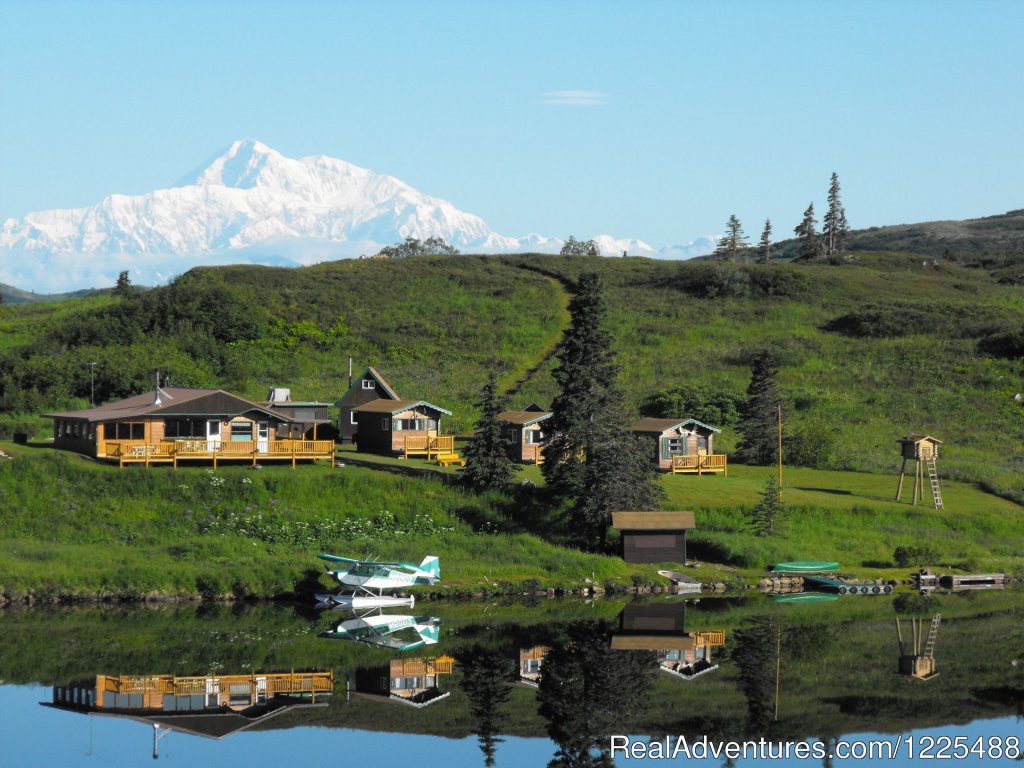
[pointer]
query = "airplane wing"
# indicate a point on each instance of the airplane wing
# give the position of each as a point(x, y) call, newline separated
point(337, 559)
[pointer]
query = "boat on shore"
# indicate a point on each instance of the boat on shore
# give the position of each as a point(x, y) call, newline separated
point(806, 566)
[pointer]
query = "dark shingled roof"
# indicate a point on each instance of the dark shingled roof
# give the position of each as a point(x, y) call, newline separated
point(523, 418)
point(173, 401)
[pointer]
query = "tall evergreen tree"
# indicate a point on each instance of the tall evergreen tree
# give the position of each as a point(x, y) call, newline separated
point(835, 228)
point(732, 246)
point(585, 376)
point(764, 248)
point(807, 235)
point(487, 461)
point(485, 681)
point(591, 457)
point(759, 424)
point(124, 287)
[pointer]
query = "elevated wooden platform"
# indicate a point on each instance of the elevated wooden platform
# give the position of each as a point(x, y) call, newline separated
point(701, 464)
point(254, 451)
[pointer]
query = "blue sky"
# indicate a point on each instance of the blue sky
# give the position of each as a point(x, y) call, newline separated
point(654, 120)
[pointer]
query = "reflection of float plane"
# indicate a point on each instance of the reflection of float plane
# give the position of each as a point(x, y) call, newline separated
point(369, 578)
point(377, 630)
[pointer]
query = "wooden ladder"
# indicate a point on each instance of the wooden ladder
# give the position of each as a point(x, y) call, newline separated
point(929, 647)
point(933, 479)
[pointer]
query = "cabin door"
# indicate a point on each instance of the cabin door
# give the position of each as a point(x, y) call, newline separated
point(262, 436)
point(213, 434)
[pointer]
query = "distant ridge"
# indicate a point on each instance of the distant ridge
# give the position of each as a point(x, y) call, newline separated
point(251, 204)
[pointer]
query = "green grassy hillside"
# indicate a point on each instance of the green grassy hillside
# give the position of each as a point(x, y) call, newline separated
point(869, 351)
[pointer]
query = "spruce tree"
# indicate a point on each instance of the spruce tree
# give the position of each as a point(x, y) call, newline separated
point(764, 248)
point(487, 461)
point(758, 427)
point(591, 458)
point(835, 228)
point(766, 517)
point(485, 681)
point(732, 246)
point(807, 235)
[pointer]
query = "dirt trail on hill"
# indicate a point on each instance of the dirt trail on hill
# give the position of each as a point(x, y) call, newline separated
point(563, 291)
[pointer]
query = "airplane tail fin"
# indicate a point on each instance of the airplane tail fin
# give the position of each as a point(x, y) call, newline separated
point(431, 565)
point(429, 630)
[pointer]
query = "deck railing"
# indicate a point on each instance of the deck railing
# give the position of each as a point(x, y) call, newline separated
point(713, 637)
point(141, 451)
point(428, 446)
point(700, 464)
point(276, 682)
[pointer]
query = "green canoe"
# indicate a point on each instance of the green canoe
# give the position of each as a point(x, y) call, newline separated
point(805, 566)
point(805, 597)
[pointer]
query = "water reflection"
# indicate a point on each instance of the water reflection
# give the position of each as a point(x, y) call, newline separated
point(213, 706)
point(661, 627)
point(387, 630)
point(414, 681)
point(588, 691)
point(727, 669)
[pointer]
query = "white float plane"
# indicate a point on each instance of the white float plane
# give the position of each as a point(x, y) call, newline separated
point(368, 579)
point(377, 630)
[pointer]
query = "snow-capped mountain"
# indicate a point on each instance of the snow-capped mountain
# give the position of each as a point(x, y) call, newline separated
point(247, 204)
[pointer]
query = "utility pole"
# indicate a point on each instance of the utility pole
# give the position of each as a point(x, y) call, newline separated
point(92, 383)
point(780, 450)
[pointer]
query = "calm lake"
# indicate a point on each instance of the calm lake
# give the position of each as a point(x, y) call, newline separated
point(855, 680)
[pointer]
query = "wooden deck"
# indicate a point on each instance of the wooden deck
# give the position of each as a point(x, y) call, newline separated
point(701, 464)
point(254, 451)
point(428, 447)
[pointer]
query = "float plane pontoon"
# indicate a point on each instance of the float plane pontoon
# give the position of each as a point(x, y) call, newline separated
point(368, 579)
point(377, 630)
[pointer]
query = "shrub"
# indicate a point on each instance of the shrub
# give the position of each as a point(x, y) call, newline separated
point(1003, 343)
point(915, 555)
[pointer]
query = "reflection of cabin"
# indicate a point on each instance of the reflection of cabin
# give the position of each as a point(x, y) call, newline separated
point(654, 537)
point(306, 416)
point(525, 429)
point(174, 424)
point(368, 387)
point(212, 705)
point(662, 628)
point(683, 446)
point(915, 662)
point(530, 661)
point(923, 450)
point(407, 681)
point(390, 427)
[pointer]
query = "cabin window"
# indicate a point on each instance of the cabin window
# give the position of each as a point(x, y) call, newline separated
point(432, 425)
point(241, 431)
point(410, 425)
point(352, 419)
point(673, 446)
point(185, 428)
point(124, 430)
point(304, 414)
point(531, 666)
point(534, 437)
point(369, 384)
point(513, 435)
point(385, 424)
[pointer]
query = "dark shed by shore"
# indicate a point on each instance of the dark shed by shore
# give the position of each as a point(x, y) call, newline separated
point(654, 537)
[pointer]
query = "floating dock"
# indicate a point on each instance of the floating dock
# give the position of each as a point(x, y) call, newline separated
point(840, 587)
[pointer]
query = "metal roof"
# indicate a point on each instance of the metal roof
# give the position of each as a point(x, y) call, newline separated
point(663, 425)
point(396, 406)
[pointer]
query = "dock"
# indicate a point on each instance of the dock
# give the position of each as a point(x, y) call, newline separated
point(928, 581)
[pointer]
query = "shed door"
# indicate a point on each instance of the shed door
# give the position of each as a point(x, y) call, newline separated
point(263, 436)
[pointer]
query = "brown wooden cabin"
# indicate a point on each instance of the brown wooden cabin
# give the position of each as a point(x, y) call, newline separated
point(654, 537)
point(384, 425)
point(307, 417)
point(369, 386)
point(525, 429)
point(685, 445)
point(661, 627)
point(175, 424)
point(413, 681)
point(919, 447)
point(214, 706)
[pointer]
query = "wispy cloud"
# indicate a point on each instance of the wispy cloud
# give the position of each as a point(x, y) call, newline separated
point(576, 98)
